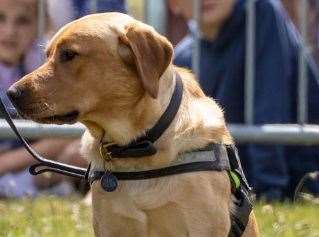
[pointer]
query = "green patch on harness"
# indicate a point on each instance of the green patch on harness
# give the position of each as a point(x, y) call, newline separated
point(234, 179)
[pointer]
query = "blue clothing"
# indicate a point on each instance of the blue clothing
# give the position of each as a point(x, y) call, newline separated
point(19, 71)
point(272, 168)
point(82, 7)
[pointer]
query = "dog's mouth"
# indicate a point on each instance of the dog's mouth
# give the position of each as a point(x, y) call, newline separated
point(39, 113)
point(67, 118)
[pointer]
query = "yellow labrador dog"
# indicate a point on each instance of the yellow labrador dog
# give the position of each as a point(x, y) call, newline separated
point(115, 75)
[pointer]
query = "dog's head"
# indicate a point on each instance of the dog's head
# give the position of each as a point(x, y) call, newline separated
point(96, 66)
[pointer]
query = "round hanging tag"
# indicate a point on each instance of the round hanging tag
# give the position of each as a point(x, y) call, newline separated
point(109, 182)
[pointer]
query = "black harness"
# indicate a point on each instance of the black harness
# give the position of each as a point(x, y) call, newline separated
point(224, 158)
point(218, 162)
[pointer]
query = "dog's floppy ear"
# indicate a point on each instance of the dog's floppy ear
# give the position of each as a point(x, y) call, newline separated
point(149, 52)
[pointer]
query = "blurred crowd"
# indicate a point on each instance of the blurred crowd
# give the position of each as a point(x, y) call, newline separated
point(272, 170)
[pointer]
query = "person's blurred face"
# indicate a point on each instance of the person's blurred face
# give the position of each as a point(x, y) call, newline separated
point(213, 12)
point(18, 28)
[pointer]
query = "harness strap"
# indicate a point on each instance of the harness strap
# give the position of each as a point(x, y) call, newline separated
point(156, 173)
point(242, 201)
point(235, 165)
point(187, 162)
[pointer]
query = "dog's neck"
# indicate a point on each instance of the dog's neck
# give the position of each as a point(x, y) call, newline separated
point(137, 119)
point(124, 129)
point(191, 122)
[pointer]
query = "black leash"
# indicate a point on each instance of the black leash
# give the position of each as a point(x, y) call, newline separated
point(47, 165)
point(142, 146)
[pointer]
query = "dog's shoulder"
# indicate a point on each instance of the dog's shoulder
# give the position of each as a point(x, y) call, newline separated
point(191, 84)
point(203, 115)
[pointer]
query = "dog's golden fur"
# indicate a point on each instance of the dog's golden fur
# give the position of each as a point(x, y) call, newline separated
point(119, 78)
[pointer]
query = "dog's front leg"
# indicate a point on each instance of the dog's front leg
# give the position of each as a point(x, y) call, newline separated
point(115, 215)
point(118, 227)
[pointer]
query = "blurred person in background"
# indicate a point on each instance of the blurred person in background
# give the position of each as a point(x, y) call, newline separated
point(62, 12)
point(312, 20)
point(273, 170)
point(20, 54)
point(84, 7)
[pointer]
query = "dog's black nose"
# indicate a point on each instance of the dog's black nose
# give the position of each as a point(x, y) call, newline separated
point(14, 93)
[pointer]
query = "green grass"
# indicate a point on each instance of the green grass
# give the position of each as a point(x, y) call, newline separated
point(57, 217)
point(288, 220)
point(49, 217)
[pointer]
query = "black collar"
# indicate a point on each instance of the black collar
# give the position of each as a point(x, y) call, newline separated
point(144, 146)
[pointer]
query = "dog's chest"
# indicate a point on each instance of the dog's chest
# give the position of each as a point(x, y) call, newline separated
point(143, 194)
point(139, 207)
point(169, 206)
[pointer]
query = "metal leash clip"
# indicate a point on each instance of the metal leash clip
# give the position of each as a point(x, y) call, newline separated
point(109, 181)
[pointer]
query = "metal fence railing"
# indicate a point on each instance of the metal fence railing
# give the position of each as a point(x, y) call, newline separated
point(291, 134)
point(301, 133)
point(249, 63)
point(303, 80)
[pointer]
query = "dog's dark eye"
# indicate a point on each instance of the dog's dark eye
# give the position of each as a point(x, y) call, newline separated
point(67, 55)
